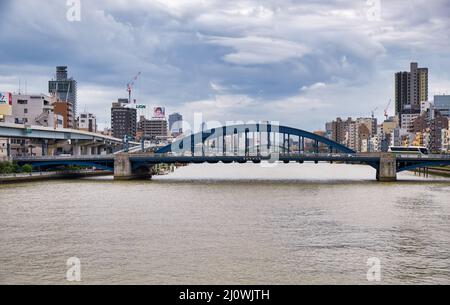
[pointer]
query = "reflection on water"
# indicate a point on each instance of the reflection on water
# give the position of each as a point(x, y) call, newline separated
point(226, 224)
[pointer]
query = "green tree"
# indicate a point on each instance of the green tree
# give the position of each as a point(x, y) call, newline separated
point(27, 168)
point(16, 168)
point(6, 168)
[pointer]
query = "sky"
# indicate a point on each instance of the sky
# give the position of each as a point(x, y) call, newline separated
point(301, 63)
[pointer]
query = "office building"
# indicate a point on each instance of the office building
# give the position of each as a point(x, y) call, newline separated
point(442, 104)
point(87, 122)
point(154, 129)
point(34, 110)
point(64, 88)
point(337, 130)
point(411, 88)
point(123, 120)
point(176, 123)
point(407, 120)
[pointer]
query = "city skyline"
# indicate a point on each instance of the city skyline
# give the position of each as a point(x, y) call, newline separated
point(212, 142)
point(314, 74)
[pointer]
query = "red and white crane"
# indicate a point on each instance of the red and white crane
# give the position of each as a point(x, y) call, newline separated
point(130, 86)
point(386, 114)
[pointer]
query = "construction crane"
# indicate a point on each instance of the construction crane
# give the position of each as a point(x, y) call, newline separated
point(386, 114)
point(130, 86)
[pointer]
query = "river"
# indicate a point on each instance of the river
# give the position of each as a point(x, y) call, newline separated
point(229, 224)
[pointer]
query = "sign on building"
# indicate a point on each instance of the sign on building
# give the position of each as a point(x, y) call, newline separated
point(5, 103)
point(159, 112)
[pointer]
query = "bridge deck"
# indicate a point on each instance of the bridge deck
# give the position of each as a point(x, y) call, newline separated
point(156, 159)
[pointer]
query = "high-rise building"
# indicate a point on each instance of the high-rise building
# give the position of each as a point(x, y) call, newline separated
point(123, 120)
point(154, 129)
point(442, 104)
point(411, 88)
point(337, 130)
point(402, 80)
point(175, 123)
point(64, 88)
point(354, 134)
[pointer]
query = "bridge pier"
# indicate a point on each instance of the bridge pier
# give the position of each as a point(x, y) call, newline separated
point(387, 171)
point(123, 169)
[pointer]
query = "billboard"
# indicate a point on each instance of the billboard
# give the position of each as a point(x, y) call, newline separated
point(159, 112)
point(5, 98)
point(5, 103)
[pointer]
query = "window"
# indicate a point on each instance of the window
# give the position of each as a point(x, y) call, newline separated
point(22, 102)
point(25, 110)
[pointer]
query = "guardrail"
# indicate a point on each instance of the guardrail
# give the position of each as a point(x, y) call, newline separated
point(68, 158)
point(44, 174)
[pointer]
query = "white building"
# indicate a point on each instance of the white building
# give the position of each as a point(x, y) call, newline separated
point(400, 135)
point(87, 122)
point(446, 140)
point(351, 136)
point(407, 120)
point(425, 106)
point(375, 143)
point(34, 110)
point(3, 149)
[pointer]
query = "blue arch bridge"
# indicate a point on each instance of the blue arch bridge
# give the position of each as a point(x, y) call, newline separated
point(263, 142)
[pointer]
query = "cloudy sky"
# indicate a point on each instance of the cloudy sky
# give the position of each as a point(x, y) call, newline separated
point(300, 62)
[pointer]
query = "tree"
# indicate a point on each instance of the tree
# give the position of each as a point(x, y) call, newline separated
point(6, 168)
point(27, 168)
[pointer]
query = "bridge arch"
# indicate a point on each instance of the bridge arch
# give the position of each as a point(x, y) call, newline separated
point(413, 166)
point(190, 143)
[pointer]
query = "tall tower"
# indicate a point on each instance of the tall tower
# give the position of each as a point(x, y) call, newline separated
point(411, 88)
point(402, 88)
point(64, 88)
point(123, 120)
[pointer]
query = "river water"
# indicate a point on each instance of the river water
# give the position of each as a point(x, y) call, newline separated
point(229, 224)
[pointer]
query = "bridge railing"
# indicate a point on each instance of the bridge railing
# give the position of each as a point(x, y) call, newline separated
point(424, 157)
point(68, 158)
point(293, 154)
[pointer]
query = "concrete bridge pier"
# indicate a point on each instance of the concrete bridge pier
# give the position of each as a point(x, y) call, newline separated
point(123, 169)
point(387, 171)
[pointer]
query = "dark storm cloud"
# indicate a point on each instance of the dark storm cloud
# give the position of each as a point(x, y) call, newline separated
point(236, 59)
